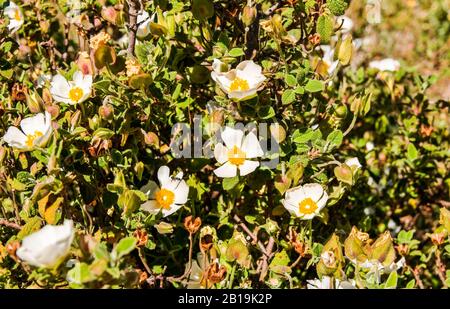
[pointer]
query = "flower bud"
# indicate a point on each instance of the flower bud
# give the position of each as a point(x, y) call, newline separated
point(12, 248)
point(106, 111)
point(110, 14)
point(164, 228)
point(237, 251)
point(249, 15)
point(331, 259)
point(438, 238)
point(192, 225)
point(34, 102)
point(354, 245)
point(383, 249)
point(84, 63)
point(151, 139)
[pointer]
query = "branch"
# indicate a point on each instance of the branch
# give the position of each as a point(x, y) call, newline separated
point(10, 224)
point(265, 262)
point(132, 26)
point(251, 234)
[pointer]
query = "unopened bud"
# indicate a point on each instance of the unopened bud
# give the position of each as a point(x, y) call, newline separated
point(248, 15)
point(164, 228)
point(383, 249)
point(34, 102)
point(106, 111)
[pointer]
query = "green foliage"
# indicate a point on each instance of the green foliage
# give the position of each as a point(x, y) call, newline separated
point(376, 142)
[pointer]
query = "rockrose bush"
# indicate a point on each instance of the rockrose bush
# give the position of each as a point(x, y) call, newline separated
point(223, 144)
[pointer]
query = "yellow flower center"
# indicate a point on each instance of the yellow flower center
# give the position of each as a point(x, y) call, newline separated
point(17, 15)
point(32, 137)
point(75, 94)
point(307, 206)
point(239, 84)
point(165, 198)
point(236, 156)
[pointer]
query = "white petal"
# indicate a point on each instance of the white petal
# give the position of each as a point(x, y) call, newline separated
point(226, 170)
point(173, 208)
point(151, 207)
point(242, 95)
point(15, 138)
point(220, 153)
point(163, 175)
point(59, 89)
point(32, 124)
point(150, 189)
point(313, 191)
point(251, 146)
point(295, 195)
point(291, 206)
point(45, 247)
point(179, 188)
point(322, 202)
point(248, 167)
point(232, 137)
point(181, 193)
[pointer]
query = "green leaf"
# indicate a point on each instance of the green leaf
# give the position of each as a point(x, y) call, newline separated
point(334, 139)
point(288, 97)
point(33, 224)
point(391, 282)
point(314, 85)
point(325, 28)
point(79, 274)
point(236, 52)
point(230, 183)
point(412, 152)
point(290, 80)
point(104, 55)
point(125, 246)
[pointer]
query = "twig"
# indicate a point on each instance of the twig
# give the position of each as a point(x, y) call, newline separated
point(415, 273)
point(10, 224)
point(132, 27)
point(296, 262)
point(265, 262)
point(144, 262)
point(440, 268)
point(251, 234)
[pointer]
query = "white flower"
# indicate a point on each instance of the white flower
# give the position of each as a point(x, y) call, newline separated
point(375, 266)
point(353, 163)
point(47, 246)
point(241, 83)
point(387, 64)
point(325, 283)
point(370, 146)
point(35, 132)
point(15, 16)
point(305, 201)
point(71, 92)
point(143, 21)
point(169, 197)
point(328, 59)
point(235, 153)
